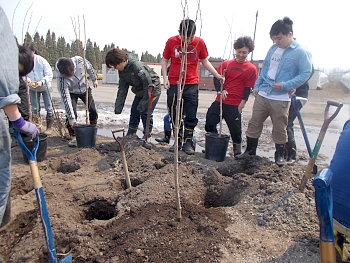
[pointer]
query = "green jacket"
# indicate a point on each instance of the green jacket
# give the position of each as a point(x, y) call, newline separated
point(138, 75)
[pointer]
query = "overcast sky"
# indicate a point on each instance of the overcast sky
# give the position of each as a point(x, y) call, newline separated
point(141, 25)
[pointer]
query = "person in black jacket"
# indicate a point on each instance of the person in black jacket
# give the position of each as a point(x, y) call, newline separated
point(291, 147)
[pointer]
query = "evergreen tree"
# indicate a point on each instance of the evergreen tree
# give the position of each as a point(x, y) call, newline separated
point(98, 57)
point(90, 54)
point(159, 58)
point(28, 38)
point(50, 48)
point(55, 55)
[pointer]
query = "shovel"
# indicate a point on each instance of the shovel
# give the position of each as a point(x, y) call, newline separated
point(327, 121)
point(303, 130)
point(151, 94)
point(41, 200)
point(125, 164)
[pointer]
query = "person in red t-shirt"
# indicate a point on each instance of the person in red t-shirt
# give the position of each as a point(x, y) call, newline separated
point(240, 76)
point(195, 50)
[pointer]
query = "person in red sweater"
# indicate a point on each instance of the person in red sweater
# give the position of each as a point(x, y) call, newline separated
point(185, 46)
point(240, 76)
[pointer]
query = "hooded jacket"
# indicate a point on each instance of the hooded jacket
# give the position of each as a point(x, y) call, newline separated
point(138, 75)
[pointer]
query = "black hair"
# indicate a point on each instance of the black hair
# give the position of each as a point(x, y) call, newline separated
point(187, 27)
point(30, 46)
point(284, 26)
point(65, 66)
point(244, 42)
point(25, 58)
point(114, 57)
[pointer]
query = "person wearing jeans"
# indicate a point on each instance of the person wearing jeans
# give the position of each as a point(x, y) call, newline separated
point(39, 82)
point(139, 76)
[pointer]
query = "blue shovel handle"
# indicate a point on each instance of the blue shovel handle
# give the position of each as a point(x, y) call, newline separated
point(31, 155)
point(301, 123)
point(41, 200)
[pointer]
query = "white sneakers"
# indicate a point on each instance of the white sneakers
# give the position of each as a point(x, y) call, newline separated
point(73, 142)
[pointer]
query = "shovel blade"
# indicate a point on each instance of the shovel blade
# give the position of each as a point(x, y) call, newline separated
point(67, 259)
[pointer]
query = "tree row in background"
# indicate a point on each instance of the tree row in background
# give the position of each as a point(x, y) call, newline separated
point(52, 49)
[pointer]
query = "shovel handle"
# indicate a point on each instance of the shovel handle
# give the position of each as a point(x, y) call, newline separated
point(31, 155)
point(301, 123)
point(327, 118)
point(45, 221)
point(327, 121)
point(120, 142)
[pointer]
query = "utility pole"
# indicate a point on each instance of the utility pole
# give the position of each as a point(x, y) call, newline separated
point(256, 20)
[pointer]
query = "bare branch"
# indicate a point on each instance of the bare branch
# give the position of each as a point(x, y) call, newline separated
point(30, 20)
point(14, 11)
point(37, 27)
point(25, 20)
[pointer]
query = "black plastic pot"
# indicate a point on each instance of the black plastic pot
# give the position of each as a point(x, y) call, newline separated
point(41, 153)
point(216, 146)
point(85, 135)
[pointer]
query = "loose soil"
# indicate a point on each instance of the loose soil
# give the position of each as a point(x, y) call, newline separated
point(232, 211)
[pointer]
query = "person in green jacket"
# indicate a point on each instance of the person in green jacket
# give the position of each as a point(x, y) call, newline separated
point(137, 74)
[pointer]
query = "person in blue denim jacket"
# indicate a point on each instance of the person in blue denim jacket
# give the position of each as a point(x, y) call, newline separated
point(286, 67)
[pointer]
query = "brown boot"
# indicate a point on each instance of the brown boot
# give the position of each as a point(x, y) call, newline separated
point(49, 122)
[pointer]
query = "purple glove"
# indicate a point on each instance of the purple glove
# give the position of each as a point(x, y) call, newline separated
point(26, 127)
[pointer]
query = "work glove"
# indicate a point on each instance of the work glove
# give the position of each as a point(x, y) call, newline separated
point(26, 128)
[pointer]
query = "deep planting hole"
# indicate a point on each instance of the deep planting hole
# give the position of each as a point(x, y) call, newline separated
point(100, 209)
point(134, 182)
point(225, 195)
point(67, 168)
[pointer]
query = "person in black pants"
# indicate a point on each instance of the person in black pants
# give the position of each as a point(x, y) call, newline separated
point(302, 92)
point(240, 75)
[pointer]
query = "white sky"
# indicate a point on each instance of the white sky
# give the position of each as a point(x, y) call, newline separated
point(141, 25)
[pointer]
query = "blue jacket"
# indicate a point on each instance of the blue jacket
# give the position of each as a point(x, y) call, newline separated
point(294, 70)
point(340, 166)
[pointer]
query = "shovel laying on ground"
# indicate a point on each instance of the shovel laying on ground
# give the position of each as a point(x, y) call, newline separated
point(125, 164)
point(31, 155)
point(326, 122)
point(151, 94)
point(303, 130)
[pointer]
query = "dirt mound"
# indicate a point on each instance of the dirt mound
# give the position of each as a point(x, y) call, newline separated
point(233, 211)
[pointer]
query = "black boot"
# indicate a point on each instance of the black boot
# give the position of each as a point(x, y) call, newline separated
point(252, 145)
point(166, 139)
point(279, 155)
point(291, 151)
point(131, 131)
point(188, 145)
point(236, 149)
point(49, 122)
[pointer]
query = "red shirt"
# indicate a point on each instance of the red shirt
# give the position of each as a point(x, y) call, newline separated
point(196, 50)
point(238, 76)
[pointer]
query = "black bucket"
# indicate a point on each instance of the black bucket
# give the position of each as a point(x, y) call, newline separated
point(216, 147)
point(85, 135)
point(41, 153)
